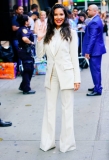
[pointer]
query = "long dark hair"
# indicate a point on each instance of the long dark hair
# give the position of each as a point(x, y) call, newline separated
point(65, 28)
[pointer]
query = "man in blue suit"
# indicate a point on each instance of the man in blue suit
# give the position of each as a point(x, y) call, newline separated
point(93, 48)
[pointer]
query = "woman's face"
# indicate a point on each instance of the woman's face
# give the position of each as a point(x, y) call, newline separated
point(42, 16)
point(59, 17)
point(82, 18)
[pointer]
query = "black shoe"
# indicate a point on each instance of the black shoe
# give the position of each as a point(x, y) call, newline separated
point(5, 124)
point(30, 92)
point(93, 94)
point(91, 89)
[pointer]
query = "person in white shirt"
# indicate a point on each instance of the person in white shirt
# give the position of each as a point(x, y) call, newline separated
point(73, 25)
point(33, 18)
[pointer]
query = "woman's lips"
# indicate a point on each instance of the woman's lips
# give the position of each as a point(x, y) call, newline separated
point(58, 21)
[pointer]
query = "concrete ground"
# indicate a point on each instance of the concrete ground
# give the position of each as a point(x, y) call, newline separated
point(91, 118)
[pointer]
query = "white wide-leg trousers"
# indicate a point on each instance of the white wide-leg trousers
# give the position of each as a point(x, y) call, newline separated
point(67, 139)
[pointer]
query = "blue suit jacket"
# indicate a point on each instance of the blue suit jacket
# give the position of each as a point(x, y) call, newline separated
point(93, 43)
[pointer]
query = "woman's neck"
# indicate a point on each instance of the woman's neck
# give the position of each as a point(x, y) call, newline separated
point(57, 27)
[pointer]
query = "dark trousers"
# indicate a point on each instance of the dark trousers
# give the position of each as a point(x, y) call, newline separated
point(27, 73)
point(95, 68)
point(15, 48)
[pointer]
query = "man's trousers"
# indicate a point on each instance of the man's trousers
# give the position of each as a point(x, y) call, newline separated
point(67, 139)
point(95, 68)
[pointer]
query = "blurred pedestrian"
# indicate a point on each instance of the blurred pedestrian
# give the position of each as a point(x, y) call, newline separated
point(25, 53)
point(81, 29)
point(41, 22)
point(105, 31)
point(34, 8)
point(75, 14)
point(73, 25)
point(15, 27)
point(33, 18)
point(47, 10)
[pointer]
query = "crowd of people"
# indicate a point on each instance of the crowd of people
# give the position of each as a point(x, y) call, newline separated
point(58, 36)
point(78, 21)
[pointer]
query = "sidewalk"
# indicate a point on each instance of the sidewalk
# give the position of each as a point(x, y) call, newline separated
point(91, 119)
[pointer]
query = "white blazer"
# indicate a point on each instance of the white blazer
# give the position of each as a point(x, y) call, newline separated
point(65, 60)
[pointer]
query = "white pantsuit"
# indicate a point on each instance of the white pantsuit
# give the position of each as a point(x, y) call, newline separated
point(62, 72)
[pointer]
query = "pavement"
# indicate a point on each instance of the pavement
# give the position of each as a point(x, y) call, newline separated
point(91, 120)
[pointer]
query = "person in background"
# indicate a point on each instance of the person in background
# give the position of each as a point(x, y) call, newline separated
point(81, 21)
point(87, 20)
point(105, 27)
point(105, 31)
point(75, 15)
point(33, 18)
point(93, 49)
point(25, 53)
point(47, 10)
point(41, 22)
point(71, 21)
point(15, 27)
point(34, 8)
point(60, 43)
point(14, 10)
point(3, 123)
point(81, 29)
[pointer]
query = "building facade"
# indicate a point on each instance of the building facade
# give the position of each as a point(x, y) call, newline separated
point(27, 3)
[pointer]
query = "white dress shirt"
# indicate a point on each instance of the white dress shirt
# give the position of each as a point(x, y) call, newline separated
point(55, 38)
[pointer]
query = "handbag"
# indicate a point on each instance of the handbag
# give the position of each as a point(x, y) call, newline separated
point(83, 62)
point(6, 54)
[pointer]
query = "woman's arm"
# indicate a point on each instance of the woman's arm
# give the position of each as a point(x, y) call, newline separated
point(26, 40)
point(74, 56)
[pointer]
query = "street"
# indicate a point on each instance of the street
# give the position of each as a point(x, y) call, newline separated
point(91, 120)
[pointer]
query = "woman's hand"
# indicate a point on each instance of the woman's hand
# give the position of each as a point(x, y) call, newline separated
point(76, 86)
point(41, 32)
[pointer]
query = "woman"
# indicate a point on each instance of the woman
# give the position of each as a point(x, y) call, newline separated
point(25, 53)
point(81, 29)
point(81, 21)
point(60, 44)
point(42, 21)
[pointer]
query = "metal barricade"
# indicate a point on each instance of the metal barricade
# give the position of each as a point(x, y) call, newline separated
point(35, 42)
point(83, 62)
point(80, 38)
